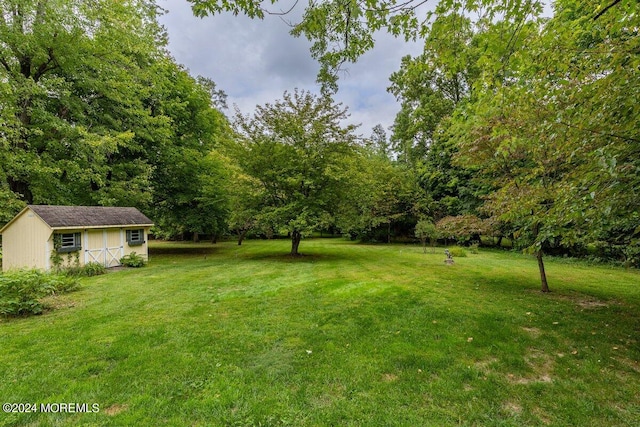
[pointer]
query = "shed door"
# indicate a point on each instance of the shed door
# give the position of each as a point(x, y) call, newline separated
point(115, 247)
point(104, 247)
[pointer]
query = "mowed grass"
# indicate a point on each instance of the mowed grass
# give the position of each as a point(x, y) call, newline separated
point(348, 335)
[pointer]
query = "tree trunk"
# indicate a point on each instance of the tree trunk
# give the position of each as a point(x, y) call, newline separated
point(22, 188)
point(241, 235)
point(196, 237)
point(543, 275)
point(389, 232)
point(295, 242)
point(214, 238)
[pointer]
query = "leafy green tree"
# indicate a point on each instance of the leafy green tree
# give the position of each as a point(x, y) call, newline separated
point(94, 112)
point(197, 196)
point(547, 138)
point(74, 80)
point(592, 79)
point(429, 88)
point(453, 188)
point(190, 177)
point(430, 85)
point(379, 142)
point(464, 229)
point(296, 148)
point(425, 229)
point(245, 202)
point(382, 195)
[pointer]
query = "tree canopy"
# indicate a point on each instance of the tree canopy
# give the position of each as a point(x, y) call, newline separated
point(510, 123)
point(94, 111)
point(535, 116)
point(296, 149)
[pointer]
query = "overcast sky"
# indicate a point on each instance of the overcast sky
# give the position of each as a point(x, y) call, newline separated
point(255, 61)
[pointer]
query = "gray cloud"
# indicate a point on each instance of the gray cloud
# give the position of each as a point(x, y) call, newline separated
point(255, 61)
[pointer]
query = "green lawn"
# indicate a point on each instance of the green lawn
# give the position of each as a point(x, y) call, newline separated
point(349, 335)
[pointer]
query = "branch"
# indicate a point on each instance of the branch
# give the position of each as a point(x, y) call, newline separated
point(399, 7)
point(346, 30)
point(5, 64)
point(596, 132)
point(602, 12)
point(45, 66)
point(282, 12)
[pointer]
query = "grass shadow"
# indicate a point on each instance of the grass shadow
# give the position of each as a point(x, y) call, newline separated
point(288, 258)
point(183, 250)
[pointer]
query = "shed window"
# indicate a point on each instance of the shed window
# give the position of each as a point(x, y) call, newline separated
point(135, 237)
point(68, 242)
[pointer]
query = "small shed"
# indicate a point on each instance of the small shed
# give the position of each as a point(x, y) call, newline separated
point(43, 236)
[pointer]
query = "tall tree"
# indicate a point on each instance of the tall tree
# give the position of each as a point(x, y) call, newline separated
point(592, 79)
point(383, 196)
point(296, 148)
point(379, 142)
point(74, 80)
point(190, 177)
point(93, 111)
point(557, 135)
point(430, 85)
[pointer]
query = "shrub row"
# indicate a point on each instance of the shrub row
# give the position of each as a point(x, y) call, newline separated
point(21, 291)
point(87, 270)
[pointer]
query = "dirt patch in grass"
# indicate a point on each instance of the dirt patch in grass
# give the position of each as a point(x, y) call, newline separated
point(631, 364)
point(542, 416)
point(483, 365)
point(534, 332)
point(115, 409)
point(389, 378)
point(542, 366)
point(584, 301)
point(55, 302)
point(512, 407)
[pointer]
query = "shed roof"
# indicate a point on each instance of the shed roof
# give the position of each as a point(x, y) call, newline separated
point(89, 216)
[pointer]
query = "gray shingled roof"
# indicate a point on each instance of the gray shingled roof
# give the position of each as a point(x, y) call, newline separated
point(89, 216)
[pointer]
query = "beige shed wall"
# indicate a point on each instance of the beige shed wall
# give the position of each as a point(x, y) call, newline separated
point(28, 242)
point(142, 250)
point(24, 243)
point(68, 259)
point(107, 246)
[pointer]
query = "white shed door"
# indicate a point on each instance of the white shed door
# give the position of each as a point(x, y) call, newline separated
point(104, 247)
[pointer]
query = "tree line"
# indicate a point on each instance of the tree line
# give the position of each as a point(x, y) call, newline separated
point(511, 124)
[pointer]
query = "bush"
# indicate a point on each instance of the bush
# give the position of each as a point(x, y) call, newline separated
point(132, 260)
point(458, 252)
point(93, 269)
point(21, 290)
point(465, 229)
point(87, 270)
